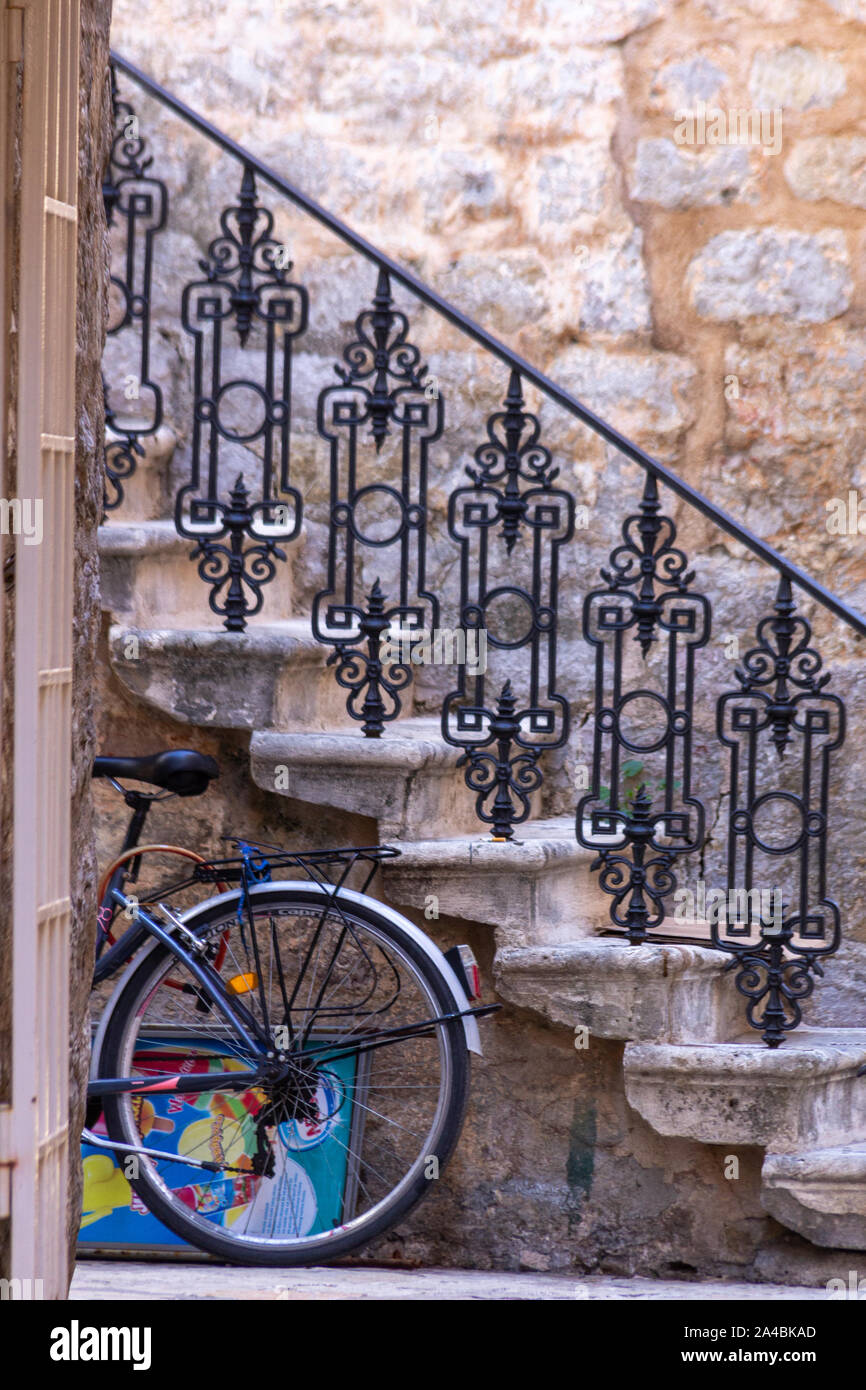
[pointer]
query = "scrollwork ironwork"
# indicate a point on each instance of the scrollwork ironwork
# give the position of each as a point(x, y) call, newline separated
point(503, 741)
point(383, 393)
point(136, 207)
point(647, 593)
point(246, 286)
point(781, 702)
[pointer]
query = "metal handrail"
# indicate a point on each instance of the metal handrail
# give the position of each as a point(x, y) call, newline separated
point(473, 330)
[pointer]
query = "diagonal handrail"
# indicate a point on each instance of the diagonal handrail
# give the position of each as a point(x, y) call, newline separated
point(563, 398)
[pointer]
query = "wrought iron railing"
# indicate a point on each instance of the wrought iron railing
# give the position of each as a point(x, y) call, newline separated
point(138, 202)
point(509, 523)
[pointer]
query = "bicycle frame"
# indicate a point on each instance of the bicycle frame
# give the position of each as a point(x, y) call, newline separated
point(234, 1013)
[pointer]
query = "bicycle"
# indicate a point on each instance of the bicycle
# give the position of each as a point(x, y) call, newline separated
point(313, 1041)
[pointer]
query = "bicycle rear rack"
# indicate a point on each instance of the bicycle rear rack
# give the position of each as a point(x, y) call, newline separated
point(319, 865)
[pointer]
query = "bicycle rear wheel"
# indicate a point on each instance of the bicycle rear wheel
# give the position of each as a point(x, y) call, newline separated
point(330, 1159)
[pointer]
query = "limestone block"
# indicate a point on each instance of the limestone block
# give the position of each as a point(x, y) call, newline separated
point(673, 176)
point(536, 888)
point(601, 21)
point(616, 297)
point(829, 166)
point(795, 78)
point(681, 82)
point(407, 780)
point(742, 274)
point(148, 578)
point(649, 396)
point(260, 678)
point(145, 493)
point(821, 1194)
point(804, 1093)
point(850, 9)
point(659, 993)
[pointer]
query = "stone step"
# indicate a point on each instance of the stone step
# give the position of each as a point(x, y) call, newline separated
point(804, 1094)
point(661, 993)
point(147, 494)
point(819, 1193)
point(535, 889)
point(408, 780)
point(148, 578)
point(272, 675)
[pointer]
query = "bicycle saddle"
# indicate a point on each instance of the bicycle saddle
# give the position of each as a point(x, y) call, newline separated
point(178, 770)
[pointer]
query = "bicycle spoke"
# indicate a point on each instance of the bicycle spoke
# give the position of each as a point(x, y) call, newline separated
point(349, 1117)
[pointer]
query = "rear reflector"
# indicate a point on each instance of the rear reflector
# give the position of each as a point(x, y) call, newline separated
point(465, 967)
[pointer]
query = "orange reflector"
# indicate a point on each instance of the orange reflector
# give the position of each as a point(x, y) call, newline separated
point(242, 984)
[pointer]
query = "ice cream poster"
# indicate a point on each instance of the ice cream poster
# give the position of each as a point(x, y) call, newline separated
point(307, 1192)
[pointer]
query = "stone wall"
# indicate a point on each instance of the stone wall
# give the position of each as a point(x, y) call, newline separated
point(532, 161)
point(94, 134)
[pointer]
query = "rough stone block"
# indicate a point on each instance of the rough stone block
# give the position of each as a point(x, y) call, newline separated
point(659, 993)
point(805, 1093)
point(535, 888)
point(743, 274)
point(407, 780)
point(230, 680)
point(821, 1194)
point(673, 176)
point(829, 166)
point(795, 78)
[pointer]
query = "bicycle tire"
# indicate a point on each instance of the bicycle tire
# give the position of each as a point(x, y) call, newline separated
point(230, 1242)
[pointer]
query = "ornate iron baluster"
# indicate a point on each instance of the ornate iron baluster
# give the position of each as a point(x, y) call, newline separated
point(245, 285)
point(503, 744)
point(781, 704)
point(382, 394)
point(647, 594)
point(138, 204)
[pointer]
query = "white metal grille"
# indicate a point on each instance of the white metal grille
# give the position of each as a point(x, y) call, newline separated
point(36, 1129)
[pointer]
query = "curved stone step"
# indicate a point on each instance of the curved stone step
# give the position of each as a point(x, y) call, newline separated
point(663, 993)
point(536, 888)
point(148, 578)
point(269, 675)
point(820, 1194)
point(804, 1094)
point(408, 780)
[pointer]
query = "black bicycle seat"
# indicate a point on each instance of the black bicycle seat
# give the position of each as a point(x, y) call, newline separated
point(178, 770)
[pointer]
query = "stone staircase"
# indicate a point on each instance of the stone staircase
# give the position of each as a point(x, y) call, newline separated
point(688, 1069)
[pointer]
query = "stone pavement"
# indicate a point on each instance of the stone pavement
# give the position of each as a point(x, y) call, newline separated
point(114, 1279)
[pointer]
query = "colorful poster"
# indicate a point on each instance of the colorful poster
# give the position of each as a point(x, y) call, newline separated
point(310, 1188)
